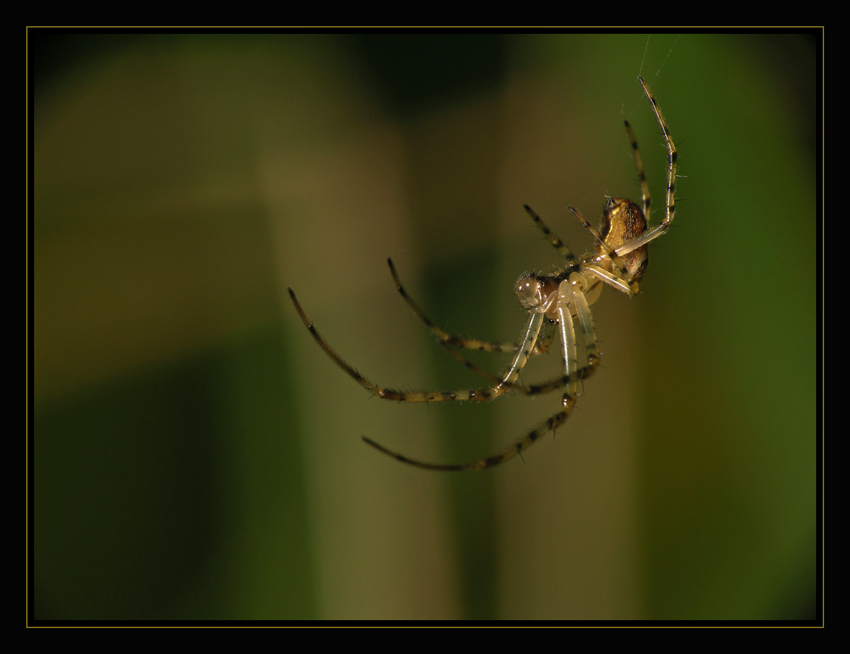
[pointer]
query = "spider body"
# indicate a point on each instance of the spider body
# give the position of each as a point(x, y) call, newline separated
point(562, 300)
point(622, 221)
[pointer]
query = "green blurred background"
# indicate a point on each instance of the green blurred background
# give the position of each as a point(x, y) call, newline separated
point(197, 456)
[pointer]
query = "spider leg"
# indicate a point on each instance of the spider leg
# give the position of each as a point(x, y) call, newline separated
point(475, 395)
point(645, 199)
point(672, 159)
point(508, 453)
point(556, 242)
point(568, 337)
point(585, 319)
point(540, 347)
point(444, 337)
point(524, 389)
point(567, 294)
point(672, 164)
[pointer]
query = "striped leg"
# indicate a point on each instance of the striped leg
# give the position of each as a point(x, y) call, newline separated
point(474, 395)
point(672, 166)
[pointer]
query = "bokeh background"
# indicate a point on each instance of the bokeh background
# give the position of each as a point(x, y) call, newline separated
point(196, 455)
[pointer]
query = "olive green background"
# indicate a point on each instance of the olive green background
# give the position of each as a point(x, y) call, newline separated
point(197, 456)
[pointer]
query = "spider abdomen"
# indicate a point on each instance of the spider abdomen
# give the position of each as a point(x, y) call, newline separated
point(623, 221)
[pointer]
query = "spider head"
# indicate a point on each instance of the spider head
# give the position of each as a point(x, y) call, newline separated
point(622, 221)
point(537, 293)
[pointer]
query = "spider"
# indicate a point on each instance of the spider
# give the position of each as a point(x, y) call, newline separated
point(619, 259)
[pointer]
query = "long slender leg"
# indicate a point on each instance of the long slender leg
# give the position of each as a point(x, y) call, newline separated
point(568, 339)
point(672, 164)
point(444, 337)
point(645, 200)
point(486, 374)
point(508, 453)
point(475, 395)
point(556, 242)
point(585, 319)
point(672, 159)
